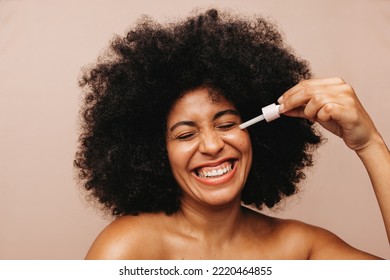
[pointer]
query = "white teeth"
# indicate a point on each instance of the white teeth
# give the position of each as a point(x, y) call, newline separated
point(215, 172)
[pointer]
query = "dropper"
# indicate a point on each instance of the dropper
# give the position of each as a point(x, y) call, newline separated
point(270, 113)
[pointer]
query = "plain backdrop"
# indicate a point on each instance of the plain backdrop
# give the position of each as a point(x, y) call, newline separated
point(44, 45)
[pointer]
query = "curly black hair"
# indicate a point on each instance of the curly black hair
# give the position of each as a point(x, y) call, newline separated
point(122, 158)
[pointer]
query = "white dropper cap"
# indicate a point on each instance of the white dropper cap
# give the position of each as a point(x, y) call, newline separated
point(270, 113)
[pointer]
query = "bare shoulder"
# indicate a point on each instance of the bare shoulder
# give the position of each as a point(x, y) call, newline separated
point(292, 239)
point(283, 239)
point(127, 237)
point(314, 242)
point(328, 246)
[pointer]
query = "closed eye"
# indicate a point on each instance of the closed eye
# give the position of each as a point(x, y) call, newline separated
point(185, 136)
point(226, 126)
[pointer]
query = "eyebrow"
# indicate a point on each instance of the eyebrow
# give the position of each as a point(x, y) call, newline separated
point(225, 112)
point(216, 116)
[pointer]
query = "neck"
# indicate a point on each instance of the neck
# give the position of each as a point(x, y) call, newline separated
point(214, 224)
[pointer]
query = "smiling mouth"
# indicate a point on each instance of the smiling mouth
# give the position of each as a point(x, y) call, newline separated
point(211, 172)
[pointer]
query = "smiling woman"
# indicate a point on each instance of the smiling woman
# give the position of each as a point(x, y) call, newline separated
point(161, 146)
point(209, 155)
point(122, 156)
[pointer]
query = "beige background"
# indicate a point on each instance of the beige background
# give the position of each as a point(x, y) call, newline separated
point(43, 45)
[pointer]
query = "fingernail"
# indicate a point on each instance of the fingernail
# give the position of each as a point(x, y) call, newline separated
point(281, 108)
point(280, 99)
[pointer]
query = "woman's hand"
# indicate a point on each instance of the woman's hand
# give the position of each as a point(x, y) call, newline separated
point(334, 104)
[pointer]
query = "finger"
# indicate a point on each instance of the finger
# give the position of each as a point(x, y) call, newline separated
point(310, 83)
point(317, 110)
point(317, 96)
point(336, 119)
point(338, 94)
point(296, 112)
point(299, 113)
point(346, 117)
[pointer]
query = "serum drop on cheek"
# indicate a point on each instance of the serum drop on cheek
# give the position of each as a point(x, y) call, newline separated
point(270, 113)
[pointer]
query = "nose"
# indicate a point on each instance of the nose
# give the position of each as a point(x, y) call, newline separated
point(211, 143)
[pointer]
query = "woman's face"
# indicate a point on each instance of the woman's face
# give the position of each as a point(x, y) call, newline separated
point(209, 154)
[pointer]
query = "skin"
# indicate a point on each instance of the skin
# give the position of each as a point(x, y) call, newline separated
point(334, 104)
point(204, 134)
point(212, 224)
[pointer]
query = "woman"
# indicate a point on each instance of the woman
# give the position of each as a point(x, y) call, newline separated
point(161, 146)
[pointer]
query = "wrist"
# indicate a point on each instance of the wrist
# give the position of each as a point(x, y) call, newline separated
point(374, 148)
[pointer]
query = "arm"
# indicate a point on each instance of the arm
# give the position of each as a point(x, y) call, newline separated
point(334, 104)
point(376, 159)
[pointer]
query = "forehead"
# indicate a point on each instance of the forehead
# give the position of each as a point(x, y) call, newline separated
point(198, 101)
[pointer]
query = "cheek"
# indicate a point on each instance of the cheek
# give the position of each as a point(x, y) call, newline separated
point(239, 138)
point(179, 157)
point(179, 154)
